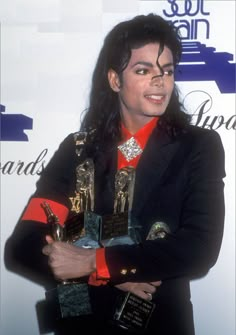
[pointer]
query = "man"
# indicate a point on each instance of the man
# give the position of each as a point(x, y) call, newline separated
point(134, 119)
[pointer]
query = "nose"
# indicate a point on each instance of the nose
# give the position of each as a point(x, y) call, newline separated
point(157, 80)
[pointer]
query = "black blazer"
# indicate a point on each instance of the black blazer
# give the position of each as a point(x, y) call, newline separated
point(179, 181)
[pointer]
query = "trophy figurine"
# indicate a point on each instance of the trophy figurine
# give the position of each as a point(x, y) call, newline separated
point(71, 298)
point(119, 228)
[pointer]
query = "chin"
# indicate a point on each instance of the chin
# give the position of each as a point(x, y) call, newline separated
point(155, 114)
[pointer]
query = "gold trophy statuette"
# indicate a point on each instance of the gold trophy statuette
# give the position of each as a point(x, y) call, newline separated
point(117, 228)
point(71, 297)
point(57, 231)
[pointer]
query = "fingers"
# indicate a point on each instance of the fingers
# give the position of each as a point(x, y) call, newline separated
point(149, 296)
point(49, 239)
point(52, 261)
point(47, 249)
point(156, 283)
point(143, 294)
point(150, 289)
point(142, 290)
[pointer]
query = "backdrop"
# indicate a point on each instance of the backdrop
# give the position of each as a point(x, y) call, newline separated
point(48, 52)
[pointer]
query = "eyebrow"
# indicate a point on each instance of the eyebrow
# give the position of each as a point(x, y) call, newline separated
point(148, 64)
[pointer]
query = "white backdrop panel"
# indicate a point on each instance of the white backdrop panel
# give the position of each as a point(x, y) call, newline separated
point(48, 52)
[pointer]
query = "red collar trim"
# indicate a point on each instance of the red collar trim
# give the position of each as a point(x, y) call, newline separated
point(142, 135)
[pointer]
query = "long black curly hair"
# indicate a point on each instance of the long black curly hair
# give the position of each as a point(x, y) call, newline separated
point(103, 113)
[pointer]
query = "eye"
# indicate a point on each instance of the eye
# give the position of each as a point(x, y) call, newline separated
point(168, 73)
point(142, 71)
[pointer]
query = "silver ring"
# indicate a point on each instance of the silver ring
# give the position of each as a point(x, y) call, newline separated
point(150, 295)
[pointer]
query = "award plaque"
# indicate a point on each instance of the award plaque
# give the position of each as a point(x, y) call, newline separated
point(71, 298)
point(133, 312)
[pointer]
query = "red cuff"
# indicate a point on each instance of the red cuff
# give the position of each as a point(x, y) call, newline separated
point(102, 269)
point(102, 275)
point(35, 212)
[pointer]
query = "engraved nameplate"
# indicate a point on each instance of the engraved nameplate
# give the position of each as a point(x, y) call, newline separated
point(134, 312)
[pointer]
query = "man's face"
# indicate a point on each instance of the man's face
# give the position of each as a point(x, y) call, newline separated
point(143, 92)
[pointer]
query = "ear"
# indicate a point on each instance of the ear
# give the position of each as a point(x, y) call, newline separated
point(114, 80)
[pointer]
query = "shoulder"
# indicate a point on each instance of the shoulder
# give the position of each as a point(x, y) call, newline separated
point(205, 145)
point(64, 155)
point(198, 135)
point(68, 142)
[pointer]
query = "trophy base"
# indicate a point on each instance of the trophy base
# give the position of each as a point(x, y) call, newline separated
point(69, 300)
point(133, 313)
point(82, 230)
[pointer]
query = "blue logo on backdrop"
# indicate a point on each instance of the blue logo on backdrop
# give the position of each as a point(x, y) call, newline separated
point(12, 129)
point(199, 62)
point(13, 126)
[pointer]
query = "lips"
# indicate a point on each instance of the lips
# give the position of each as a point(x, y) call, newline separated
point(155, 98)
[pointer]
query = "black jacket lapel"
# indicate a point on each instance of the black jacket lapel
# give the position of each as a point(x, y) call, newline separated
point(154, 161)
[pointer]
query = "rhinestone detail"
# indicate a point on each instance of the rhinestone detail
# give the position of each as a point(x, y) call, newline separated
point(130, 149)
